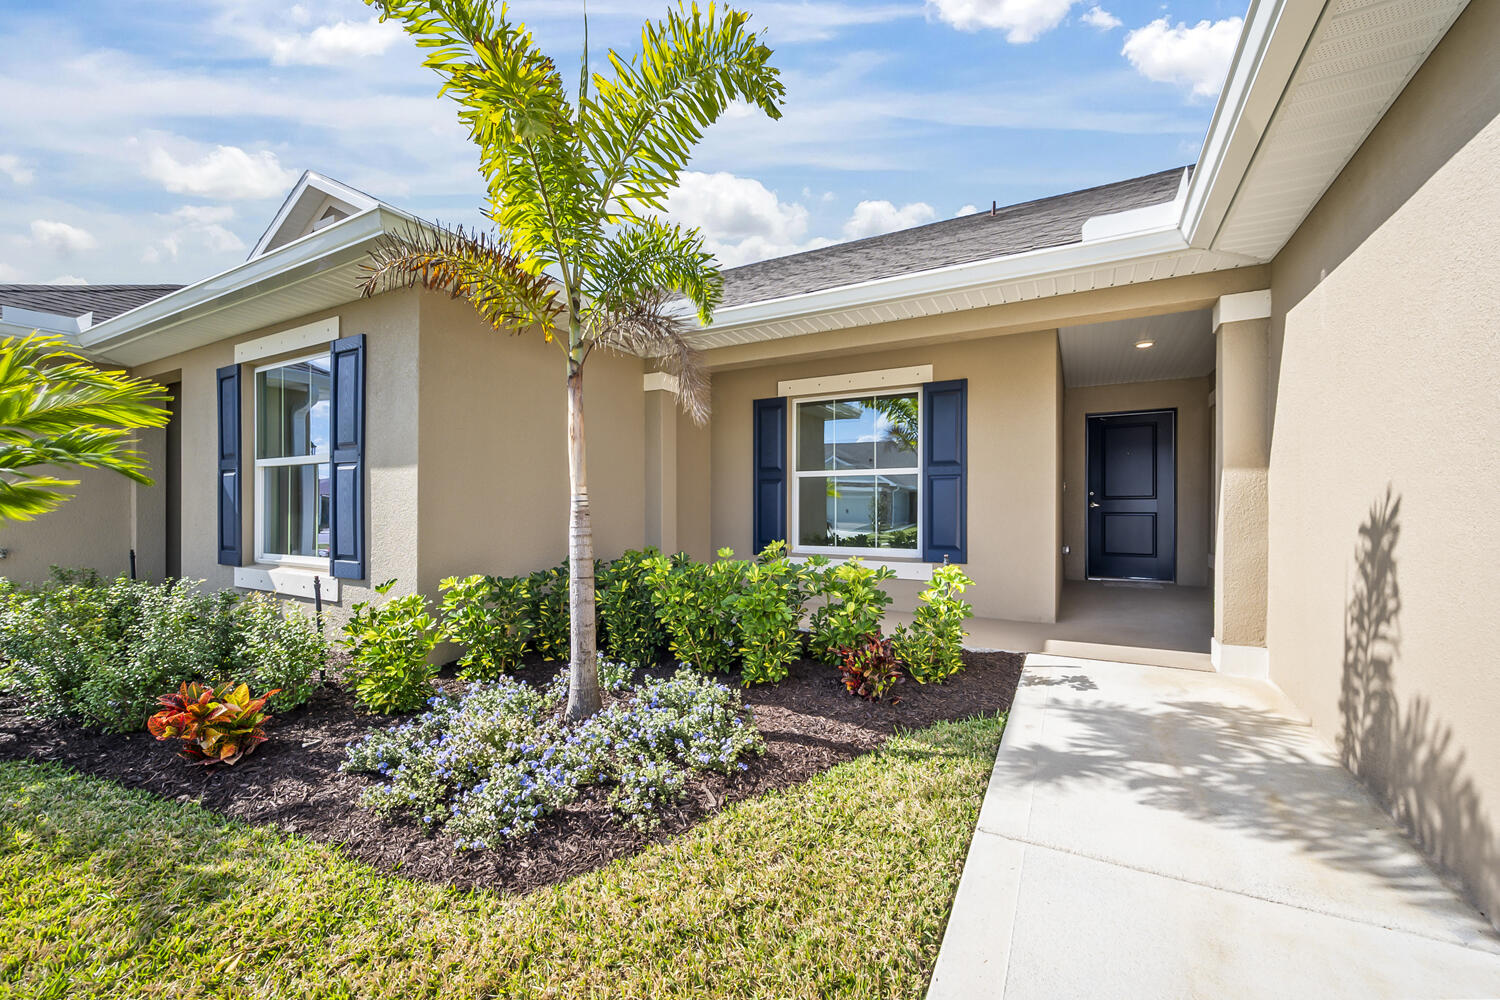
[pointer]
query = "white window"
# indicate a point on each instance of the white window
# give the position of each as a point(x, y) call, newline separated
point(291, 462)
point(857, 474)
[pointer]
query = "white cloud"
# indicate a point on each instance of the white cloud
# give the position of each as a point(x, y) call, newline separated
point(8, 274)
point(68, 279)
point(1196, 57)
point(1021, 20)
point(12, 167)
point(742, 220)
point(966, 210)
point(224, 172)
point(871, 218)
point(62, 238)
point(1098, 17)
point(193, 225)
point(333, 44)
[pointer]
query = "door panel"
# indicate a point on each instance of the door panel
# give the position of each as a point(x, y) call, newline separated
point(1132, 502)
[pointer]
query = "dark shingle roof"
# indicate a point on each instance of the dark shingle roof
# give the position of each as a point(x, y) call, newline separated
point(103, 301)
point(1032, 225)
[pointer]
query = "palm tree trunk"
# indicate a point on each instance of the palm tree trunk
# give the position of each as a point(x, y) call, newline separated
point(583, 666)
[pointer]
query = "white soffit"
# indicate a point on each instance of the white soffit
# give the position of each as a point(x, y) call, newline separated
point(1355, 65)
point(1105, 353)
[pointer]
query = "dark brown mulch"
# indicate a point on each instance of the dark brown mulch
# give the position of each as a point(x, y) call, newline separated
point(809, 723)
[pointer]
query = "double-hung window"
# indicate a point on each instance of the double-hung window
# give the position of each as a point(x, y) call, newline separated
point(292, 507)
point(857, 474)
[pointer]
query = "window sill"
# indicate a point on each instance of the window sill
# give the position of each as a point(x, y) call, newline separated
point(287, 581)
point(905, 569)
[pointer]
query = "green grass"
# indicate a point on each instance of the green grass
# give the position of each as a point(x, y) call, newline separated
point(838, 887)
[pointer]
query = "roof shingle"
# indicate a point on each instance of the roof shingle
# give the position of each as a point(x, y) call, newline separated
point(1032, 225)
point(104, 301)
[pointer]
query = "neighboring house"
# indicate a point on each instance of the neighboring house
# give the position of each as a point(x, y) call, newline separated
point(1252, 375)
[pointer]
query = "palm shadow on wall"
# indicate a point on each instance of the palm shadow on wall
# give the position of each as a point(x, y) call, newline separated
point(1407, 757)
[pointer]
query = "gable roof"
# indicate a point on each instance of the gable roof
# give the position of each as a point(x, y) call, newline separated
point(1033, 225)
point(315, 202)
point(104, 301)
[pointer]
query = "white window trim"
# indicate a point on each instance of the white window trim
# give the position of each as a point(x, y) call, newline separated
point(884, 379)
point(324, 331)
point(794, 502)
point(258, 481)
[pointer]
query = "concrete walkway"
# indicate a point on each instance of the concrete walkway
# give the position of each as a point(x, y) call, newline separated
point(1156, 832)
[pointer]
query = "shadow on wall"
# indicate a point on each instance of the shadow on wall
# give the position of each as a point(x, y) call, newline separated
point(1405, 756)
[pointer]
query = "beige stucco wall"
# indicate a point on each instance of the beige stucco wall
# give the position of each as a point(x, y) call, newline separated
point(90, 531)
point(391, 445)
point(1385, 350)
point(1189, 397)
point(1012, 461)
point(494, 485)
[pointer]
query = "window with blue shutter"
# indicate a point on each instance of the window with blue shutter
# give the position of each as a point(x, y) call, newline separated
point(945, 500)
point(230, 485)
point(347, 453)
point(769, 504)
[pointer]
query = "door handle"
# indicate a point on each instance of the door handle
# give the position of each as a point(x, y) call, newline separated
point(1093, 503)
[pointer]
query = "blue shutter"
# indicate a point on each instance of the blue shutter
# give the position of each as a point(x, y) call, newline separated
point(231, 485)
point(945, 499)
point(770, 472)
point(346, 433)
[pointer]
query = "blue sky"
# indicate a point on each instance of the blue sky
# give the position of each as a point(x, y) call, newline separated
point(153, 141)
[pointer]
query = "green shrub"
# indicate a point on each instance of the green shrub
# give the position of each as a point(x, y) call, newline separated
point(869, 667)
point(696, 604)
point(277, 647)
point(629, 630)
point(932, 648)
point(548, 612)
point(769, 608)
point(853, 605)
point(388, 645)
point(490, 617)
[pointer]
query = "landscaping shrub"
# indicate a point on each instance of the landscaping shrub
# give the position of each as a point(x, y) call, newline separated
point(853, 605)
point(490, 617)
point(769, 609)
point(55, 637)
point(696, 604)
point(389, 644)
point(629, 629)
point(490, 763)
point(870, 667)
point(932, 647)
point(276, 647)
point(215, 728)
point(548, 611)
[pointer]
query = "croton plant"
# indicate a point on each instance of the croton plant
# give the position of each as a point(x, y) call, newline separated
point(213, 728)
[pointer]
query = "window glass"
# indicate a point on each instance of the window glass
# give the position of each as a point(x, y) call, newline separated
point(295, 510)
point(292, 404)
point(856, 471)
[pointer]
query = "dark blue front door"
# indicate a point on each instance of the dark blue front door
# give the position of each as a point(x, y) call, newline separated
point(1132, 495)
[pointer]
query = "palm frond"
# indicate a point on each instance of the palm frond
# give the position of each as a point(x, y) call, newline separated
point(478, 268)
point(648, 257)
point(647, 327)
point(58, 410)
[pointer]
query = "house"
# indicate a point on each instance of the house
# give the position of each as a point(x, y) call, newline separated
point(1268, 379)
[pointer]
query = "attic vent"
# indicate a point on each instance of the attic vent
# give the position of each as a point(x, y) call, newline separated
point(329, 217)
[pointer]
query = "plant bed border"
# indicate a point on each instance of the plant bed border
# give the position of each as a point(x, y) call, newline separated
point(809, 723)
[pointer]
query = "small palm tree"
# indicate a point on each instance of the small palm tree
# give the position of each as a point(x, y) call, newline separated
point(58, 410)
point(574, 184)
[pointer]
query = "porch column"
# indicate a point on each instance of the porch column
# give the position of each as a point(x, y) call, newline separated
point(1242, 449)
point(661, 461)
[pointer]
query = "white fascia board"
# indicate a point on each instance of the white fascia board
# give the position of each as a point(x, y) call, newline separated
point(324, 184)
point(1048, 262)
point(37, 319)
point(227, 287)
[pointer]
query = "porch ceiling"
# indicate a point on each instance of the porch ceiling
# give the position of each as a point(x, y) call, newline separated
point(1105, 353)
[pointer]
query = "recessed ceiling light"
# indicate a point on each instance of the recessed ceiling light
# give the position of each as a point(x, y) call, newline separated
point(1141, 345)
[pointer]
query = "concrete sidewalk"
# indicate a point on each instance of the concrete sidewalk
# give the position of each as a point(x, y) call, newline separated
point(1152, 832)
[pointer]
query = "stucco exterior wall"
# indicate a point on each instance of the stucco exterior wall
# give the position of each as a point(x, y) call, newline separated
point(391, 445)
point(1189, 397)
point(90, 531)
point(493, 442)
point(1013, 455)
point(1385, 347)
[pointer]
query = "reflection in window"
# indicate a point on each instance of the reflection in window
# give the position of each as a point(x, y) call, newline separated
point(857, 473)
point(291, 459)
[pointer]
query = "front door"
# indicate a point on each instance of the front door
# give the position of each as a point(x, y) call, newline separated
point(1132, 495)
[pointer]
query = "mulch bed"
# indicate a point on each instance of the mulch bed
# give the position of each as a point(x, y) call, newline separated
point(810, 723)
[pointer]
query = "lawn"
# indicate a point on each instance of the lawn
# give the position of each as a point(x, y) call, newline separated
point(839, 886)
